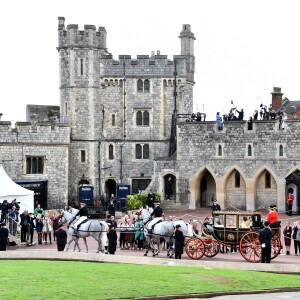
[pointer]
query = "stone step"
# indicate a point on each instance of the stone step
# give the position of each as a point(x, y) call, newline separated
point(170, 205)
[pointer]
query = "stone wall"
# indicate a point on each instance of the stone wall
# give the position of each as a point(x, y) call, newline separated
point(197, 153)
point(42, 140)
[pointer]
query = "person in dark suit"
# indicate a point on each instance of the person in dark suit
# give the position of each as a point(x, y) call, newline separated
point(157, 212)
point(215, 206)
point(112, 208)
point(151, 199)
point(169, 188)
point(24, 225)
point(3, 236)
point(179, 242)
point(61, 237)
point(112, 239)
point(265, 237)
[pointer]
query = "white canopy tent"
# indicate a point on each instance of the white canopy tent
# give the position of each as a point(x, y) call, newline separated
point(9, 190)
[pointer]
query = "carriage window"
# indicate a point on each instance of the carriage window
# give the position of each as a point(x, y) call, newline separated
point(245, 221)
point(219, 220)
point(231, 221)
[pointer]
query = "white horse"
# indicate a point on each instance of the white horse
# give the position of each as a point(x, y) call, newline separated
point(161, 229)
point(94, 228)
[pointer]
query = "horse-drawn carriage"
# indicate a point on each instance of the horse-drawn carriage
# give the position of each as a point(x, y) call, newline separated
point(237, 230)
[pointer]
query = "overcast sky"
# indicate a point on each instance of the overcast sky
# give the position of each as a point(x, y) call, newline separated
point(242, 48)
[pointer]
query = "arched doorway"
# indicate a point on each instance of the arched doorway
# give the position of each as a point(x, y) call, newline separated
point(207, 190)
point(170, 187)
point(110, 187)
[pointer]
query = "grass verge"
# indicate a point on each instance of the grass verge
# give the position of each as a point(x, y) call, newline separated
point(36, 279)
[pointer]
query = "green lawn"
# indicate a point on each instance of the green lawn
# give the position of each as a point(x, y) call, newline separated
point(31, 279)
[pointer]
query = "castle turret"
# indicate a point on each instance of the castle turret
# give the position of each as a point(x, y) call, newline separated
point(187, 40)
point(276, 98)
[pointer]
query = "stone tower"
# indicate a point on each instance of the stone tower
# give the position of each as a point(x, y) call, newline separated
point(79, 52)
point(119, 110)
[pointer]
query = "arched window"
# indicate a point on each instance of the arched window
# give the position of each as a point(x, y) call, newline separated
point(140, 85)
point(280, 150)
point(139, 118)
point(111, 152)
point(146, 85)
point(220, 150)
point(146, 118)
point(249, 150)
point(268, 180)
point(237, 178)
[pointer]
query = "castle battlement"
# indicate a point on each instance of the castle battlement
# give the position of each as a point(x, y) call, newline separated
point(236, 141)
point(72, 37)
point(145, 65)
point(39, 133)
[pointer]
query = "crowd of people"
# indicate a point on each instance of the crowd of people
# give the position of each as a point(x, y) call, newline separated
point(127, 233)
point(265, 114)
point(46, 226)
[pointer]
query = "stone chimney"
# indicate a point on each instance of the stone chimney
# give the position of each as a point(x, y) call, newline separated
point(276, 98)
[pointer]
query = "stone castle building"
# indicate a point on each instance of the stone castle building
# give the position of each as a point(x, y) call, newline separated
point(119, 123)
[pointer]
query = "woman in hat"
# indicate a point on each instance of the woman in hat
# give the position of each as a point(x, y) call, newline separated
point(179, 242)
point(61, 237)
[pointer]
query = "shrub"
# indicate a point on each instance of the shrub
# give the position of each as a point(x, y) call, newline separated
point(138, 200)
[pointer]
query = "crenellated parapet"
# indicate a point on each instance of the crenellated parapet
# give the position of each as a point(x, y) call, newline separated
point(236, 142)
point(39, 133)
point(72, 37)
point(156, 66)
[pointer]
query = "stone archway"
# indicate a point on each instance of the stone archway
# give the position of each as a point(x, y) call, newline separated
point(207, 190)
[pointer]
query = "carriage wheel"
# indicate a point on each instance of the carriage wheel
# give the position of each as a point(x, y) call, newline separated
point(194, 248)
point(250, 247)
point(275, 247)
point(211, 246)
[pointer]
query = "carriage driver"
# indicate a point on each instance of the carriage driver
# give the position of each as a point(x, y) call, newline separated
point(83, 213)
point(157, 214)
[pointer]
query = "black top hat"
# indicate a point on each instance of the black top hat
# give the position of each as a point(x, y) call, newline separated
point(178, 225)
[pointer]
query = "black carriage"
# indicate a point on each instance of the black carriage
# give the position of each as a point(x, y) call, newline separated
point(238, 230)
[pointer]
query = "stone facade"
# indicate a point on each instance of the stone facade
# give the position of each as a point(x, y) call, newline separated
point(261, 158)
point(46, 141)
point(101, 98)
point(115, 125)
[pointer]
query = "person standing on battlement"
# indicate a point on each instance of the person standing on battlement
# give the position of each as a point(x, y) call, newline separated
point(241, 114)
point(219, 121)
